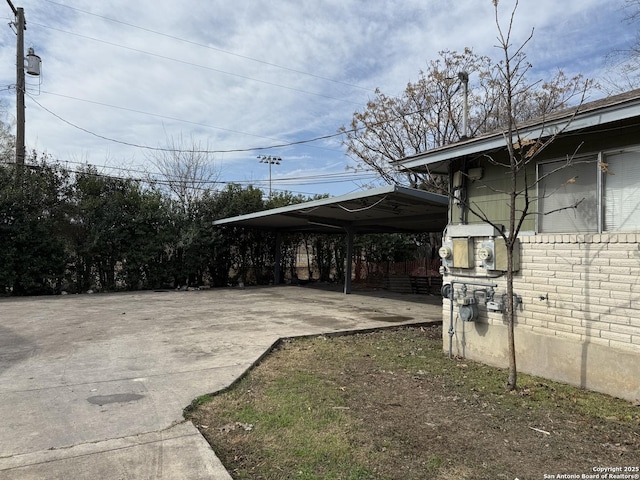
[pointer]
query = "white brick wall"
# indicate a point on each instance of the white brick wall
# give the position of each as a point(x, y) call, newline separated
point(592, 282)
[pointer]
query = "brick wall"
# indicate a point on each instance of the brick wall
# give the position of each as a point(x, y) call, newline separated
point(579, 320)
point(591, 285)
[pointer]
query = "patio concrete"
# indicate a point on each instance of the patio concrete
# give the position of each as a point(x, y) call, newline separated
point(93, 386)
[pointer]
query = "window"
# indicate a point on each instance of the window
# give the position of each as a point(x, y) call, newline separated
point(596, 193)
point(621, 179)
point(568, 196)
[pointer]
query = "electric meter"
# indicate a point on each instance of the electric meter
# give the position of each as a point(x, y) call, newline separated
point(445, 252)
point(485, 254)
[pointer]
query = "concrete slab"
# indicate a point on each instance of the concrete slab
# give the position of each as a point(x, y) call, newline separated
point(93, 386)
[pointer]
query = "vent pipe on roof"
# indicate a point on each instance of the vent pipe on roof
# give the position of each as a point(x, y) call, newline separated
point(464, 78)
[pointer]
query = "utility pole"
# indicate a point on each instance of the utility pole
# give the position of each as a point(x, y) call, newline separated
point(21, 26)
point(271, 161)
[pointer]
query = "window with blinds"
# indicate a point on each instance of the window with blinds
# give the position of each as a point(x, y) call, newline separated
point(621, 191)
point(588, 194)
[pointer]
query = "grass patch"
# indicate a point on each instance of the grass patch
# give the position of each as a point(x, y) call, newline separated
point(197, 402)
point(391, 405)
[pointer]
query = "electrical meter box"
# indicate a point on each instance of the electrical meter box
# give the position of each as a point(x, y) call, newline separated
point(457, 253)
point(493, 255)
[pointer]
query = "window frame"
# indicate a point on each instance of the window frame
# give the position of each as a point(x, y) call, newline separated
point(593, 156)
point(601, 156)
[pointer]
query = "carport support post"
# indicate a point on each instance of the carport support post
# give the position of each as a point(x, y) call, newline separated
point(278, 259)
point(349, 260)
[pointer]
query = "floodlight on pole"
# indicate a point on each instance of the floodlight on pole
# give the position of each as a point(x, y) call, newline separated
point(271, 161)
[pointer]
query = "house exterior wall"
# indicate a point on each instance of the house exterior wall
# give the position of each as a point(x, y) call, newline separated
point(579, 320)
point(488, 197)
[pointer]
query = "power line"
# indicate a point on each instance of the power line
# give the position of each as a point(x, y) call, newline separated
point(163, 149)
point(235, 150)
point(164, 182)
point(166, 117)
point(310, 179)
point(184, 62)
point(191, 42)
point(146, 147)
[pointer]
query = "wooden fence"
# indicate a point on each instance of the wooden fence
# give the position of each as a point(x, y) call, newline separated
point(412, 276)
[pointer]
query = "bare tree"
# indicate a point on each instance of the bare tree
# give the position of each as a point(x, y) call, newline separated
point(7, 139)
point(429, 113)
point(624, 64)
point(426, 115)
point(521, 153)
point(186, 168)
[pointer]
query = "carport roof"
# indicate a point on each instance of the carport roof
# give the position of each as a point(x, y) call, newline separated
point(380, 210)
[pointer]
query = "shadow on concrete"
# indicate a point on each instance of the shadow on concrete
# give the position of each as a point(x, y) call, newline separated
point(14, 348)
point(357, 290)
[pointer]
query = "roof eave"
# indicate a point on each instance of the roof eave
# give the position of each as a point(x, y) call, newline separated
point(437, 160)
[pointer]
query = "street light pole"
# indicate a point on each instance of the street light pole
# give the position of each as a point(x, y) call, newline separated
point(271, 161)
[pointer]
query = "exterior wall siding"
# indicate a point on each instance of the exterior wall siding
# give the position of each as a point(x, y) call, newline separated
point(579, 320)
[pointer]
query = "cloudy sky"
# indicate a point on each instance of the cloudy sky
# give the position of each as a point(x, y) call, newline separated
point(239, 76)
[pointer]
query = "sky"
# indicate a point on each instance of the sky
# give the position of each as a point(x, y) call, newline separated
point(245, 78)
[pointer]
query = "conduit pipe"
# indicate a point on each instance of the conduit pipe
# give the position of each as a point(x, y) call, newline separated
point(452, 289)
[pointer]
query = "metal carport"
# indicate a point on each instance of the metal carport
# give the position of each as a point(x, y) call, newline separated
point(391, 209)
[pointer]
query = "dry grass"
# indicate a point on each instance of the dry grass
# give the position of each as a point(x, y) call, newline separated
point(391, 405)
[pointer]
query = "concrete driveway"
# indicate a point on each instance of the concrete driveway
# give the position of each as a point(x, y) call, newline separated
point(93, 386)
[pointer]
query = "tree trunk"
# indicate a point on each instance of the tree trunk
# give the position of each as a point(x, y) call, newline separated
point(512, 380)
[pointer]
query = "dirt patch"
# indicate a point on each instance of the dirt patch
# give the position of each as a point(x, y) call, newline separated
point(397, 408)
